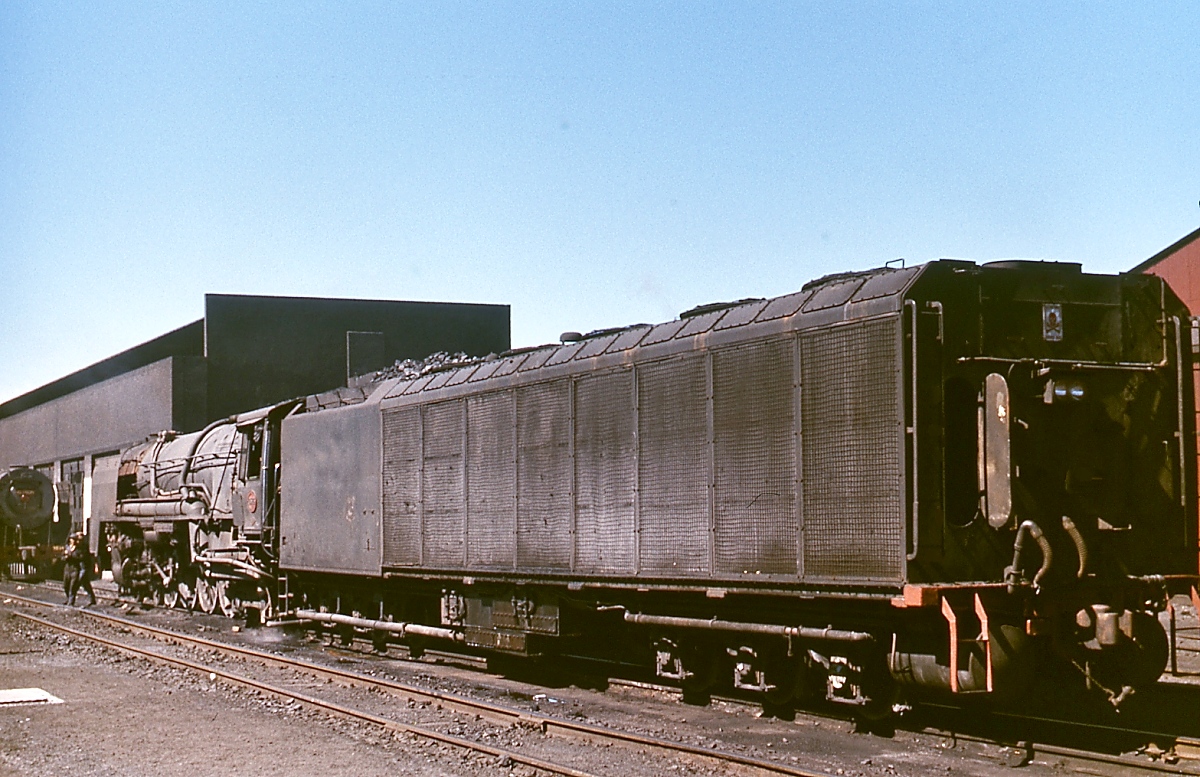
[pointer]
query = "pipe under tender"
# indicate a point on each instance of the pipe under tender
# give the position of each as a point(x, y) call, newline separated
point(715, 624)
point(402, 629)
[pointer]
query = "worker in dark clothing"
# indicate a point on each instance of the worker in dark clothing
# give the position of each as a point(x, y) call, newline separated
point(77, 569)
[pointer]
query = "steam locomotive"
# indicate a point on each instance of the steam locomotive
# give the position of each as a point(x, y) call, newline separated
point(917, 480)
point(30, 538)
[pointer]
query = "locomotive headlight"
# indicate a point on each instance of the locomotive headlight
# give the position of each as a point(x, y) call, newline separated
point(1060, 390)
point(1076, 390)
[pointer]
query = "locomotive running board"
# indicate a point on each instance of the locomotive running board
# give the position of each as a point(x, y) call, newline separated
point(983, 638)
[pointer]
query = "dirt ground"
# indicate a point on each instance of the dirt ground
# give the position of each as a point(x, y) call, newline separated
point(119, 717)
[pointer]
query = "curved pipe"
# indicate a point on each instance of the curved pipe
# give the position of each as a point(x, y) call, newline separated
point(187, 460)
point(1080, 545)
point(1013, 573)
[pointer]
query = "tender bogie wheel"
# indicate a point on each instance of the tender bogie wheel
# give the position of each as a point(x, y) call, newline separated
point(781, 672)
point(1145, 659)
point(703, 662)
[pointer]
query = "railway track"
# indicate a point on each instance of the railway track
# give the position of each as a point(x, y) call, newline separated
point(1020, 753)
point(493, 713)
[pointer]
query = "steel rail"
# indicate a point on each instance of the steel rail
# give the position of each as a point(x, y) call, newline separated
point(493, 712)
point(311, 701)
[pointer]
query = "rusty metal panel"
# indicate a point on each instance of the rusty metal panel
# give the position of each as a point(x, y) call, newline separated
point(595, 346)
point(485, 370)
point(885, 283)
point(544, 476)
point(402, 486)
point(604, 474)
point(564, 353)
point(742, 314)
point(442, 485)
point(663, 332)
point(754, 454)
point(537, 358)
point(510, 365)
point(673, 466)
point(629, 338)
point(331, 502)
point(833, 294)
point(418, 385)
point(853, 456)
point(701, 323)
point(491, 481)
point(781, 307)
point(440, 379)
point(462, 375)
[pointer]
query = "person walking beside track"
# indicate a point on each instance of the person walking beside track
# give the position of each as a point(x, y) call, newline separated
point(77, 569)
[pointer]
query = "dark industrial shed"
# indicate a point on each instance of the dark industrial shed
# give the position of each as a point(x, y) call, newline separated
point(247, 351)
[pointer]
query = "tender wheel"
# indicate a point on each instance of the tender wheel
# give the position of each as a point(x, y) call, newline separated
point(1143, 660)
point(206, 596)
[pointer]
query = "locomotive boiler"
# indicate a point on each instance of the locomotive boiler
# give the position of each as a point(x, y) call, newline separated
point(905, 480)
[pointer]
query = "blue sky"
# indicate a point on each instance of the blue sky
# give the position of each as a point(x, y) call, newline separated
point(591, 164)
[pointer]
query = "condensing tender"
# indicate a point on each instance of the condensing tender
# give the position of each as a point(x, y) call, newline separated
point(894, 482)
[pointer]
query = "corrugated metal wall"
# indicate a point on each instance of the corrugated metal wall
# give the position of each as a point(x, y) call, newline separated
point(684, 467)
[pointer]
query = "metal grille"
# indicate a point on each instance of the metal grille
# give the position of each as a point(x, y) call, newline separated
point(754, 454)
point(491, 481)
point(544, 476)
point(673, 466)
point(852, 455)
point(604, 474)
point(401, 486)
point(442, 516)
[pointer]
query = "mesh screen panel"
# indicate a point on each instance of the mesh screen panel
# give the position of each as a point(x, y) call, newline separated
point(852, 455)
point(673, 466)
point(401, 486)
point(442, 524)
point(754, 452)
point(491, 481)
point(604, 474)
point(544, 476)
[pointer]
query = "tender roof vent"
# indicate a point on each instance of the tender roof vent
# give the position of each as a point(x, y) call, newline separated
point(712, 307)
point(570, 337)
